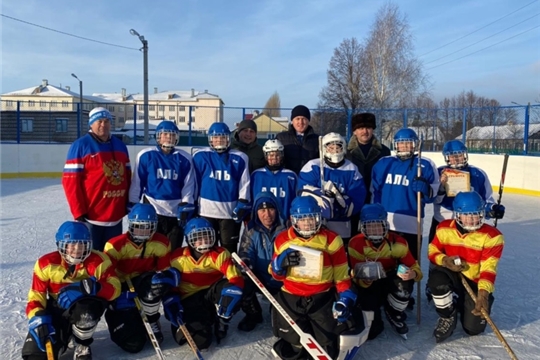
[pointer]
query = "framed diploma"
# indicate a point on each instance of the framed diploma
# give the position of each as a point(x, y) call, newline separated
point(311, 263)
point(458, 181)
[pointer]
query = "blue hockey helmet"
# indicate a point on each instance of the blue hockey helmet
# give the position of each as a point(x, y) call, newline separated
point(374, 223)
point(142, 222)
point(469, 210)
point(306, 216)
point(200, 235)
point(74, 242)
point(167, 127)
point(219, 137)
point(455, 154)
point(405, 143)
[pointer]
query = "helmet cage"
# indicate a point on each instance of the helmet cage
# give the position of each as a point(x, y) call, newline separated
point(337, 153)
point(456, 153)
point(469, 220)
point(201, 239)
point(403, 155)
point(141, 230)
point(374, 230)
point(74, 251)
point(219, 147)
point(174, 138)
point(313, 223)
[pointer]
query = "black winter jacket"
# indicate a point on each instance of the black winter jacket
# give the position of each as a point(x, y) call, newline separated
point(253, 151)
point(297, 153)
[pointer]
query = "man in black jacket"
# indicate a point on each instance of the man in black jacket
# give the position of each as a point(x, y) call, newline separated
point(300, 141)
point(364, 150)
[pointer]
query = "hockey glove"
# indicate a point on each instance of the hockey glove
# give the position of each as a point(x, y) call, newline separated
point(126, 300)
point(482, 302)
point(331, 190)
point(41, 329)
point(342, 308)
point(185, 213)
point(287, 258)
point(173, 309)
point(494, 211)
point(449, 262)
point(163, 281)
point(420, 184)
point(230, 298)
point(73, 292)
point(241, 210)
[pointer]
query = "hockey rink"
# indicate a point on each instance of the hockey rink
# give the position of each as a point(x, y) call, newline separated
point(31, 210)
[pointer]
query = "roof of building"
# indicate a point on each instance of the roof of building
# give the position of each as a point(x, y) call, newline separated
point(53, 91)
point(500, 132)
point(174, 95)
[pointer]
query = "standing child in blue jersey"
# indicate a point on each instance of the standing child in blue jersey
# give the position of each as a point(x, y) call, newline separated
point(256, 249)
point(456, 156)
point(394, 185)
point(343, 184)
point(164, 177)
point(223, 177)
point(275, 178)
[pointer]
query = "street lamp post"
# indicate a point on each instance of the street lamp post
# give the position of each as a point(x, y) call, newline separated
point(80, 105)
point(145, 80)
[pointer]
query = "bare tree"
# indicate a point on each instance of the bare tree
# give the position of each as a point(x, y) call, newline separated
point(273, 106)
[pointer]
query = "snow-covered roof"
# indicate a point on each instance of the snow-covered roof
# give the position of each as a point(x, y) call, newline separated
point(501, 132)
point(174, 95)
point(54, 91)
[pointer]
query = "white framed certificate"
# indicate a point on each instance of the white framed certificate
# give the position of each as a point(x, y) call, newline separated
point(311, 263)
point(458, 181)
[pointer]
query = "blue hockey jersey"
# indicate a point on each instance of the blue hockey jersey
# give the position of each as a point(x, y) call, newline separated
point(166, 180)
point(443, 208)
point(282, 183)
point(390, 186)
point(223, 178)
point(347, 180)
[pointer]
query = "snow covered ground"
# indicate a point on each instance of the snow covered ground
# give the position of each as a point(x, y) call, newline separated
point(32, 210)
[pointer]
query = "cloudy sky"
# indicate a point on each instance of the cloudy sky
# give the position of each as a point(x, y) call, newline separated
point(245, 50)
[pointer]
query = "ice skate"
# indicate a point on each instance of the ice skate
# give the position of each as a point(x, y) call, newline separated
point(397, 320)
point(445, 327)
point(82, 352)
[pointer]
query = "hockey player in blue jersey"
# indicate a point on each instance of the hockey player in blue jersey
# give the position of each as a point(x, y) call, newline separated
point(343, 185)
point(164, 177)
point(456, 157)
point(394, 185)
point(223, 177)
point(275, 178)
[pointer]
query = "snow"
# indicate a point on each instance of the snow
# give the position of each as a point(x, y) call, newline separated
point(32, 209)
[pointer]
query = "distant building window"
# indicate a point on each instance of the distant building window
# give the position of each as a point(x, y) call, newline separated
point(171, 107)
point(161, 107)
point(54, 104)
point(172, 118)
point(120, 119)
point(42, 103)
point(31, 103)
point(270, 136)
point(9, 103)
point(61, 125)
point(182, 119)
point(111, 108)
point(129, 118)
point(27, 125)
point(151, 107)
point(192, 119)
point(182, 108)
point(65, 104)
point(121, 109)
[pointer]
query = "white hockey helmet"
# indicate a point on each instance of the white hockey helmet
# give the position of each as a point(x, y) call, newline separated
point(333, 147)
point(273, 146)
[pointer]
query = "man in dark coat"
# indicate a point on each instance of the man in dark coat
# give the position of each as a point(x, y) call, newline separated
point(364, 150)
point(300, 141)
point(245, 140)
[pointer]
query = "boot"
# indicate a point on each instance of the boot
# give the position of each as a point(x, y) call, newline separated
point(286, 351)
point(253, 311)
point(221, 328)
point(82, 352)
point(377, 325)
point(397, 320)
point(445, 327)
point(156, 329)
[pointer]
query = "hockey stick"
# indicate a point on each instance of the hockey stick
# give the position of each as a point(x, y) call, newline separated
point(307, 340)
point(321, 157)
point(149, 331)
point(488, 319)
point(419, 231)
point(49, 350)
point(189, 339)
point(501, 185)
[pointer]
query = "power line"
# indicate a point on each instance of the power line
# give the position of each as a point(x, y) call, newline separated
point(487, 47)
point(464, 36)
point(479, 41)
point(68, 34)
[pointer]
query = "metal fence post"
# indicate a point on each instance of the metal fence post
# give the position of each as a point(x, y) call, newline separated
point(135, 124)
point(189, 125)
point(405, 118)
point(18, 122)
point(79, 119)
point(526, 130)
point(349, 119)
point(464, 128)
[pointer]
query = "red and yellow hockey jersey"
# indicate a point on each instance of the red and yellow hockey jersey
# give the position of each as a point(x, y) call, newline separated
point(200, 274)
point(393, 251)
point(50, 276)
point(96, 179)
point(126, 255)
point(480, 249)
point(335, 270)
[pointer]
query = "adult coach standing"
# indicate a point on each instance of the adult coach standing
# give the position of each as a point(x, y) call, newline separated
point(96, 179)
point(300, 141)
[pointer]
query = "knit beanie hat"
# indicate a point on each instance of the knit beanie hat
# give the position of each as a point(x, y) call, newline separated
point(247, 124)
point(366, 120)
point(266, 205)
point(97, 114)
point(300, 110)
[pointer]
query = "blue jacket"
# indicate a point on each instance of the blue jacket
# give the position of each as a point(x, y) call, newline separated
point(257, 243)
